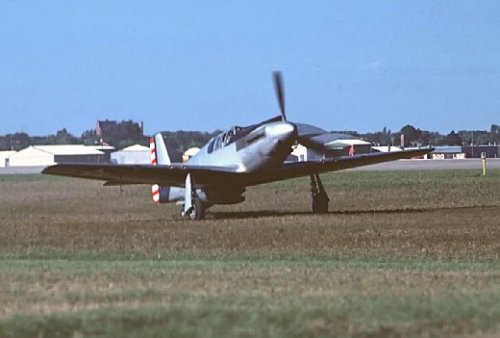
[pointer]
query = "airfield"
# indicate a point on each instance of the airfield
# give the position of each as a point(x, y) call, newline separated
point(403, 252)
point(472, 164)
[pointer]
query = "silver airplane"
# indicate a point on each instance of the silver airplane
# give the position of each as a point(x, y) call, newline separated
point(231, 161)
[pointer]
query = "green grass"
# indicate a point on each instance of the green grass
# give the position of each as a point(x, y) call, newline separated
point(383, 316)
point(248, 296)
point(11, 261)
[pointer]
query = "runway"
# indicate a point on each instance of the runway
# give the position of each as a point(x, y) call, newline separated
point(473, 163)
point(21, 170)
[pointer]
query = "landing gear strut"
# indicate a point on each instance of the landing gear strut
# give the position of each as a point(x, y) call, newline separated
point(319, 196)
point(193, 206)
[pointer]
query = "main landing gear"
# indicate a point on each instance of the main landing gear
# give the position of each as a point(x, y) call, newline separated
point(193, 206)
point(319, 196)
point(197, 210)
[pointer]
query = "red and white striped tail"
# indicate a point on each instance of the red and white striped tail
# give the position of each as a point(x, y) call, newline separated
point(152, 150)
point(155, 188)
point(155, 191)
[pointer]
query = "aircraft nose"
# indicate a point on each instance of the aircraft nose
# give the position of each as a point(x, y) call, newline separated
point(282, 130)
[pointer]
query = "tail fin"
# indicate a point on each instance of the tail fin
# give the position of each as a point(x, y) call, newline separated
point(159, 156)
point(161, 150)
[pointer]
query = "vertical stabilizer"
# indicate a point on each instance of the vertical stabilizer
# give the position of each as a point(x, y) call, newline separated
point(161, 150)
point(159, 156)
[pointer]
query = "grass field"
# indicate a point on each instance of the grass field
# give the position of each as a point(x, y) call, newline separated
point(401, 254)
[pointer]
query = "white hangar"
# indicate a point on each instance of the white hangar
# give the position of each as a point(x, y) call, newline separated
point(135, 154)
point(44, 155)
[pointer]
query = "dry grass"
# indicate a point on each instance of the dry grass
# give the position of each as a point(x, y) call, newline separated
point(401, 254)
point(400, 216)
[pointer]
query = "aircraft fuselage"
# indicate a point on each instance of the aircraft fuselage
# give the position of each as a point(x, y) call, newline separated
point(265, 147)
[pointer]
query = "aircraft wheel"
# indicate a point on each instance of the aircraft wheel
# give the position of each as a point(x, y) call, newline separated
point(198, 211)
point(320, 204)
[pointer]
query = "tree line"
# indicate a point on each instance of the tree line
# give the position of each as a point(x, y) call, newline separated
point(125, 133)
point(119, 135)
point(414, 137)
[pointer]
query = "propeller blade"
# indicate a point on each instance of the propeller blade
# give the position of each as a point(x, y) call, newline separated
point(309, 143)
point(280, 95)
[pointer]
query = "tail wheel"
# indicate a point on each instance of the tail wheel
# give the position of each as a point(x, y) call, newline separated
point(198, 211)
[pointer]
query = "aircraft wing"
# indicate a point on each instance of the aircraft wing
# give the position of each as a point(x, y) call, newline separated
point(298, 169)
point(119, 174)
point(175, 174)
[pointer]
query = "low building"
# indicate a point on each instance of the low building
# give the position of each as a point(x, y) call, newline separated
point(346, 147)
point(135, 154)
point(298, 154)
point(106, 149)
point(335, 148)
point(448, 152)
point(45, 155)
point(190, 153)
point(5, 157)
point(475, 151)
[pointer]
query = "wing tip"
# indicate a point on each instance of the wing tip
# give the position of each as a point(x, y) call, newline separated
point(49, 170)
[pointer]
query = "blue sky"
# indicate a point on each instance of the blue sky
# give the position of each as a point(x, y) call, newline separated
point(203, 65)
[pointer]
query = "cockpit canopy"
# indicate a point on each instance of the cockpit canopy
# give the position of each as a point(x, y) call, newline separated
point(235, 133)
point(225, 138)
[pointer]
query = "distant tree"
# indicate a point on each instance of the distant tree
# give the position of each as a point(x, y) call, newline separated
point(453, 139)
point(126, 133)
point(119, 135)
point(178, 142)
point(16, 141)
point(495, 133)
point(5, 142)
point(412, 135)
point(433, 138)
point(467, 136)
point(494, 129)
point(380, 137)
point(183, 140)
point(386, 135)
point(475, 136)
point(89, 137)
point(63, 137)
